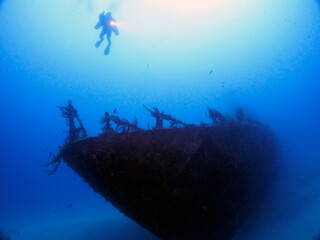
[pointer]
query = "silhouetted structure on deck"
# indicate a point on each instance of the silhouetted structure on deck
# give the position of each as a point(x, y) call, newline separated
point(71, 114)
point(122, 125)
point(160, 117)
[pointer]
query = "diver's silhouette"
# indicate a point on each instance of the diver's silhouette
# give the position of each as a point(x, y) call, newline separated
point(108, 25)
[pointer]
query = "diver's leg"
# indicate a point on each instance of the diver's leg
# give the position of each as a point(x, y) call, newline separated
point(107, 51)
point(103, 32)
point(101, 38)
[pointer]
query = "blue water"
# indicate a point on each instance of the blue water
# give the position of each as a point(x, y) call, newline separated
point(264, 57)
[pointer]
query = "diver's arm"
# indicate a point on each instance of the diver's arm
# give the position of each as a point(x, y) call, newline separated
point(115, 28)
point(100, 22)
point(98, 25)
point(116, 31)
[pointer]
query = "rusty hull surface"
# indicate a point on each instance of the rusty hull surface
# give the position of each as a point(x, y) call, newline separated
point(183, 183)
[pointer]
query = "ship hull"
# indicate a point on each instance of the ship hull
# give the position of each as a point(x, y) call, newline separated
point(184, 183)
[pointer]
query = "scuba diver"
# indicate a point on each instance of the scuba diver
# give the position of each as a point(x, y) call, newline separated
point(108, 25)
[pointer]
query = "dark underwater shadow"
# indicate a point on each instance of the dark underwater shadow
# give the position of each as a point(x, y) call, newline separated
point(117, 229)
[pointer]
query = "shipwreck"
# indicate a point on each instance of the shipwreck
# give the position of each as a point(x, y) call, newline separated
point(185, 181)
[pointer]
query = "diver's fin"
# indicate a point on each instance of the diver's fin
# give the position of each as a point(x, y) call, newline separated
point(98, 43)
point(107, 51)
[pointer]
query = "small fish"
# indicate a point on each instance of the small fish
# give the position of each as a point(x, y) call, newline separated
point(210, 72)
point(46, 149)
point(148, 66)
point(115, 111)
point(54, 211)
point(69, 206)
